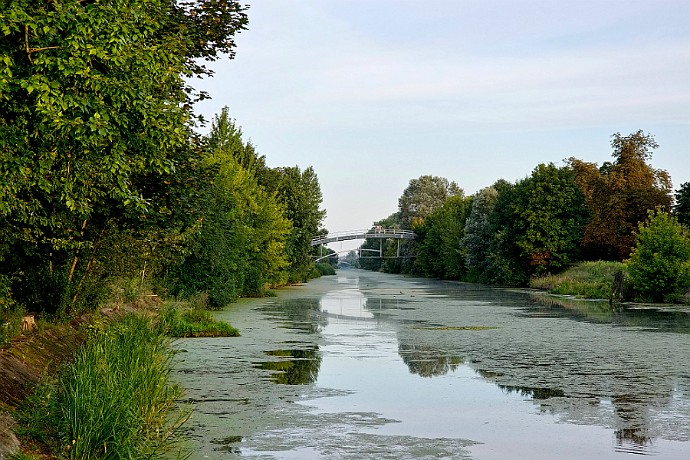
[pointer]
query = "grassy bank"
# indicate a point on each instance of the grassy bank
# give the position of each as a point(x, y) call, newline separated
point(110, 397)
point(588, 280)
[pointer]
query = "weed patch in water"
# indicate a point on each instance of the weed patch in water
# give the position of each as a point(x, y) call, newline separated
point(228, 440)
point(457, 328)
point(195, 322)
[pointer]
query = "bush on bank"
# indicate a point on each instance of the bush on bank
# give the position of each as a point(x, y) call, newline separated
point(659, 265)
point(324, 269)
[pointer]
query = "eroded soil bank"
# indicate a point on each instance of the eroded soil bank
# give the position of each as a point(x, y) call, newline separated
point(22, 364)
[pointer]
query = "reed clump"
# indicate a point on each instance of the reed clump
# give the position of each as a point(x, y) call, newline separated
point(113, 401)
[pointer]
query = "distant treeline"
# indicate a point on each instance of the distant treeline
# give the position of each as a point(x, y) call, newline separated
point(103, 174)
point(558, 216)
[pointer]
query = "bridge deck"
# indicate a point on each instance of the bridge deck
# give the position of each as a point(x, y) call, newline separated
point(382, 233)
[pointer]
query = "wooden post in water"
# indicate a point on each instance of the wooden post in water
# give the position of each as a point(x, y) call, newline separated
point(617, 288)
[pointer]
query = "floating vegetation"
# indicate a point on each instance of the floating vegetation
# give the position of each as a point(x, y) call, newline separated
point(228, 440)
point(457, 328)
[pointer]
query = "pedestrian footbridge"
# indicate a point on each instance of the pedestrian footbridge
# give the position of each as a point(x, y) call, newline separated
point(376, 232)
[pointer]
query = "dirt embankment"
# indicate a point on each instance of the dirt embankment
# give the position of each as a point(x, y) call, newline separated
point(29, 357)
point(22, 364)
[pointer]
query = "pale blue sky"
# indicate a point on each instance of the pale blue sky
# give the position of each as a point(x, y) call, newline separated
point(373, 93)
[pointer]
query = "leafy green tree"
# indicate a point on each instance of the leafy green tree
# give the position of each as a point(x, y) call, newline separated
point(370, 259)
point(505, 264)
point(619, 194)
point(226, 136)
point(479, 234)
point(659, 266)
point(240, 247)
point(95, 119)
point(681, 210)
point(300, 195)
point(549, 218)
point(419, 199)
point(440, 252)
point(422, 196)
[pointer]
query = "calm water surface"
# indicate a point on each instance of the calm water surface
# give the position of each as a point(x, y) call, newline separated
point(372, 366)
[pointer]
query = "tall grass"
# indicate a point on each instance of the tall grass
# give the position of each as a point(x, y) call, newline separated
point(117, 395)
point(113, 401)
point(589, 280)
point(10, 324)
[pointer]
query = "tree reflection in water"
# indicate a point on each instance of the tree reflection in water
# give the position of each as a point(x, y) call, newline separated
point(299, 367)
point(649, 318)
point(427, 361)
point(632, 414)
point(298, 314)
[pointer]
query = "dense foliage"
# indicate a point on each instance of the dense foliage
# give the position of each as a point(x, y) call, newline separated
point(510, 233)
point(619, 194)
point(681, 210)
point(239, 247)
point(103, 175)
point(439, 239)
point(659, 266)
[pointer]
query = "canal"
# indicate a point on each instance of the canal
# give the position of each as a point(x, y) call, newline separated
point(366, 365)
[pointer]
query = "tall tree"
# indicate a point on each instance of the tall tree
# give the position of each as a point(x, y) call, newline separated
point(549, 218)
point(240, 245)
point(440, 252)
point(94, 112)
point(620, 194)
point(226, 136)
point(419, 199)
point(505, 266)
point(478, 234)
point(681, 210)
point(422, 196)
point(300, 194)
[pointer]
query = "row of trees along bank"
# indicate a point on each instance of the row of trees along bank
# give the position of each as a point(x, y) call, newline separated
point(102, 172)
point(509, 232)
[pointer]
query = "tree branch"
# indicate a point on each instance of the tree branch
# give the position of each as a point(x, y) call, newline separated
point(30, 51)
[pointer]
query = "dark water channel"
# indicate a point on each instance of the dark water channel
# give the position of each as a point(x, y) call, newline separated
point(371, 366)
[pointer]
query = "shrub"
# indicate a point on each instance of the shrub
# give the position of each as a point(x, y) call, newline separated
point(325, 269)
point(659, 265)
